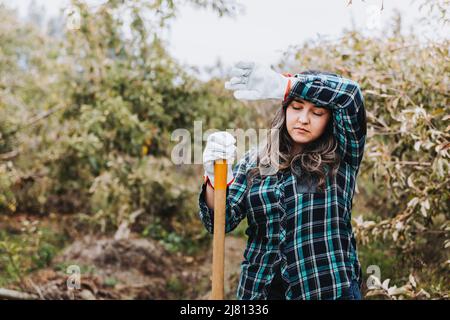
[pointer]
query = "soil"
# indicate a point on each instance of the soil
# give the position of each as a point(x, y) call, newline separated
point(134, 268)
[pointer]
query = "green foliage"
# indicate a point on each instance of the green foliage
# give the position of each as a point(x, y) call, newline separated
point(176, 287)
point(28, 249)
point(84, 268)
point(111, 282)
point(89, 115)
point(7, 198)
point(106, 98)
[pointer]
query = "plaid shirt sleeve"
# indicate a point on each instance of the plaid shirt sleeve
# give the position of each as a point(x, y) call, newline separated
point(235, 205)
point(345, 99)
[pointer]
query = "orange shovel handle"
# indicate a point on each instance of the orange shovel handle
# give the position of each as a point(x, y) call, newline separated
point(220, 193)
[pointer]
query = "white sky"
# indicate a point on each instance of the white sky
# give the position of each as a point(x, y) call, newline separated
point(267, 27)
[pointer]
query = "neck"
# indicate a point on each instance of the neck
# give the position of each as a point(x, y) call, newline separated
point(297, 148)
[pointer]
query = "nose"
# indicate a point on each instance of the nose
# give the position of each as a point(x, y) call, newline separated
point(303, 118)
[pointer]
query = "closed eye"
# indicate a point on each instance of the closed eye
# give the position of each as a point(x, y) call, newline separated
point(298, 104)
point(300, 107)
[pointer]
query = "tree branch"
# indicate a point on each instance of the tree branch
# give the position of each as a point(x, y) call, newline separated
point(9, 155)
point(16, 295)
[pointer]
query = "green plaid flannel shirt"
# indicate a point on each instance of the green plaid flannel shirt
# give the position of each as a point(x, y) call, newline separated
point(308, 233)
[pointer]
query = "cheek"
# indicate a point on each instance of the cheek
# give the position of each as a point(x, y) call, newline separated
point(321, 124)
point(290, 119)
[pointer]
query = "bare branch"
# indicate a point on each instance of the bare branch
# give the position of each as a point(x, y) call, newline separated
point(9, 155)
point(16, 295)
point(43, 116)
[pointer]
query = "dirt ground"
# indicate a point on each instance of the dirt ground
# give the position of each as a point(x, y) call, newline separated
point(134, 268)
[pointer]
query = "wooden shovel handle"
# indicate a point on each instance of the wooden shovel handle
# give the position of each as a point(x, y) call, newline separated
point(220, 193)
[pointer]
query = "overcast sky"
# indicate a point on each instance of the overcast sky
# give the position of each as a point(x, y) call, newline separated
point(267, 27)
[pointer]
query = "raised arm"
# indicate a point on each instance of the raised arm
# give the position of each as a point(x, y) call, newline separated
point(253, 81)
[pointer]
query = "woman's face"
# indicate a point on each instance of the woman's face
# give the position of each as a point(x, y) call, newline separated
point(304, 114)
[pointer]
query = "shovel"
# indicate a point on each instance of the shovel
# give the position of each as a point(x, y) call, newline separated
point(220, 193)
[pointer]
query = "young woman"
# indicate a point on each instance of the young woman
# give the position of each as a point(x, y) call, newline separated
point(300, 239)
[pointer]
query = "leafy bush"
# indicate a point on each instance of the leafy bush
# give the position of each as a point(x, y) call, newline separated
point(29, 248)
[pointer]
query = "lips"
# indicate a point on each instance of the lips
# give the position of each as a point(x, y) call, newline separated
point(301, 130)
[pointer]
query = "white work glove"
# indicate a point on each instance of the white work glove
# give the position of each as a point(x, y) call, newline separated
point(220, 145)
point(253, 81)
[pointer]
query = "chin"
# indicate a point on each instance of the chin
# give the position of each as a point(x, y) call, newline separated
point(301, 138)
